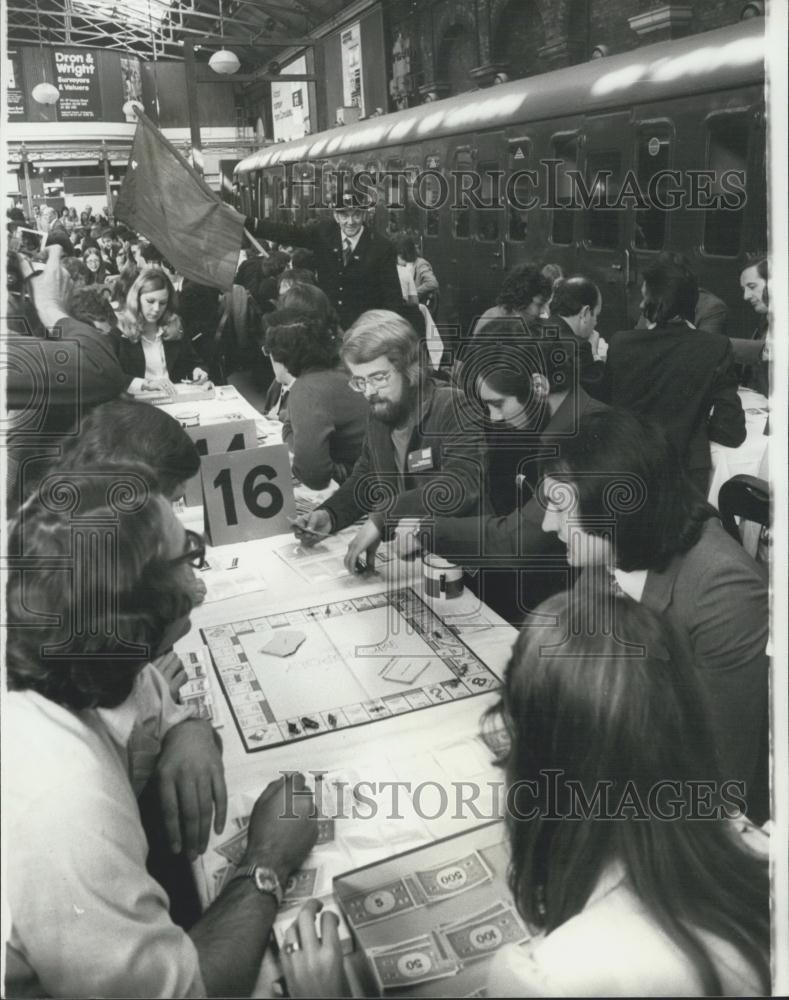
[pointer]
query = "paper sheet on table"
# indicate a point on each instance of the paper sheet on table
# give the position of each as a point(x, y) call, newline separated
point(322, 562)
point(230, 575)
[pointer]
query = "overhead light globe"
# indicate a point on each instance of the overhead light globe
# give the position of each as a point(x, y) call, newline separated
point(45, 93)
point(130, 109)
point(225, 62)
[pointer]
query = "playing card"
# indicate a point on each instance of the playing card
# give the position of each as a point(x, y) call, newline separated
point(403, 669)
point(378, 904)
point(486, 934)
point(411, 962)
point(450, 880)
point(284, 643)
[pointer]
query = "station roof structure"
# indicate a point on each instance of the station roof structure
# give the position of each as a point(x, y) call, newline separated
point(256, 30)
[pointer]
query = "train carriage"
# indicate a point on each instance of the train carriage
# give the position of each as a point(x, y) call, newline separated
point(596, 167)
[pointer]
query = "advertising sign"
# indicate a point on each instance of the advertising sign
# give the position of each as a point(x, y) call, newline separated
point(290, 106)
point(15, 103)
point(77, 79)
point(351, 44)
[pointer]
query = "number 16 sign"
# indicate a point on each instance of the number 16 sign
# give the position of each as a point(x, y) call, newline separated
point(247, 494)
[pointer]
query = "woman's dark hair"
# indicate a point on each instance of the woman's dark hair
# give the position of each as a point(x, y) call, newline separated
point(77, 270)
point(91, 304)
point(300, 341)
point(514, 353)
point(294, 276)
point(302, 257)
point(522, 284)
point(570, 295)
point(671, 293)
point(618, 713)
point(97, 593)
point(405, 246)
point(127, 431)
point(311, 299)
point(273, 265)
point(625, 476)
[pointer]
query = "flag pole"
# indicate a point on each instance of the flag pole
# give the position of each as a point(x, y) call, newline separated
point(254, 242)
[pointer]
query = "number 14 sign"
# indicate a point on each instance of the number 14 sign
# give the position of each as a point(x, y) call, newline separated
point(247, 494)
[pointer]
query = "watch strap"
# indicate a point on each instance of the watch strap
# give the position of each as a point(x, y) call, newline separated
point(262, 874)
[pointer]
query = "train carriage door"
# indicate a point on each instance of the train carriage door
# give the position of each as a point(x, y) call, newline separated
point(488, 248)
point(605, 256)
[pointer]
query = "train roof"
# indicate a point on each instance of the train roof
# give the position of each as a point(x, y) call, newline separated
point(726, 57)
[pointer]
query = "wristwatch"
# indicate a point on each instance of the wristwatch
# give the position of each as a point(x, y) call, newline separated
point(266, 880)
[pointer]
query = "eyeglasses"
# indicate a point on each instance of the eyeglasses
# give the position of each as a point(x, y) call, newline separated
point(377, 380)
point(194, 553)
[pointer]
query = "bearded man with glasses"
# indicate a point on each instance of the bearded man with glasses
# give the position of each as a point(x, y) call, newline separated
point(423, 453)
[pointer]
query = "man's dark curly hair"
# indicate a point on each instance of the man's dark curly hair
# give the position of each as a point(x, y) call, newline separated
point(300, 341)
point(521, 285)
point(91, 591)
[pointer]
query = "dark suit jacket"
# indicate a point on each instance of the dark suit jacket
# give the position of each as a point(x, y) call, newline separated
point(684, 380)
point(369, 281)
point(515, 537)
point(451, 431)
point(179, 354)
point(715, 597)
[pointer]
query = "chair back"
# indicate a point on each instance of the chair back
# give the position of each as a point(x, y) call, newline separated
point(746, 497)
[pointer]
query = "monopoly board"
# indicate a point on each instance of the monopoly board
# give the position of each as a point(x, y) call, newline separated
point(302, 672)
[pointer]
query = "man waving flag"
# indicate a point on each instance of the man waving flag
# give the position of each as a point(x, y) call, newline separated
point(164, 199)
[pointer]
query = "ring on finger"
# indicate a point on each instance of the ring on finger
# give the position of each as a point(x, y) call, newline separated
point(290, 947)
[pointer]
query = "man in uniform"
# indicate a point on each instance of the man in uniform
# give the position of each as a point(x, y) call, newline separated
point(356, 267)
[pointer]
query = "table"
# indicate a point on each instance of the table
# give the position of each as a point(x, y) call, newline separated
point(437, 744)
point(750, 457)
point(227, 403)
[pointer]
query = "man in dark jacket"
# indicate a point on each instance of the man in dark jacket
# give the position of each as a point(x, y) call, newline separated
point(682, 378)
point(356, 267)
point(423, 452)
point(521, 564)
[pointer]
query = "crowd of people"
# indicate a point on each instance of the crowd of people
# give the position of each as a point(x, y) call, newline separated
point(567, 472)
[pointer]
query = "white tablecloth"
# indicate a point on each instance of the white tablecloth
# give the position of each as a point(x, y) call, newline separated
point(751, 457)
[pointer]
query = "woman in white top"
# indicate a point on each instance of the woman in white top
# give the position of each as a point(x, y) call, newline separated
point(151, 345)
point(628, 856)
point(658, 893)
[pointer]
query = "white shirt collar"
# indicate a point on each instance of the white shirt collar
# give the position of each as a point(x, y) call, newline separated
point(353, 240)
point(632, 583)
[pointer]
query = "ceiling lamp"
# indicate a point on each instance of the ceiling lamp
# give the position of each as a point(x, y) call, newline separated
point(45, 93)
point(224, 61)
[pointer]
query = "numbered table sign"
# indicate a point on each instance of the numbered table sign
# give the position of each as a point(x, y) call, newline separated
point(216, 439)
point(247, 494)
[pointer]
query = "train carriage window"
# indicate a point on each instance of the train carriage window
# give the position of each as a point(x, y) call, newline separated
point(392, 191)
point(430, 193)
point(603, 181)
point(461, 216)
point(329, 185)
point(727, 152)
point(565, 150)
point(652, 156)
point(487, 218)
point(520, 189)
point(407, 193)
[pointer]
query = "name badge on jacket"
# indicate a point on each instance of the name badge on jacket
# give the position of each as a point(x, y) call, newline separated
point(420, 460)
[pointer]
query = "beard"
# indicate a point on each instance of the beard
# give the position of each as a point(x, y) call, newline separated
point(393, 413)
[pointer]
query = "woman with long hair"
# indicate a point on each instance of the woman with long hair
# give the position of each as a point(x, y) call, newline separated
point(630, 862)
point(91, 257)
point(619, 500)
point(151, 345)
point(638, 886)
